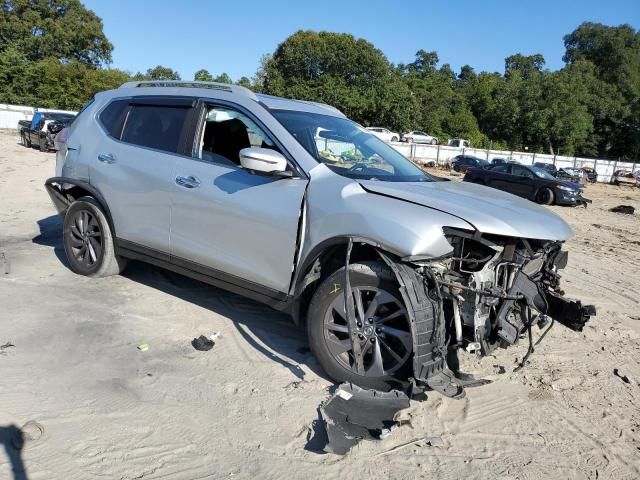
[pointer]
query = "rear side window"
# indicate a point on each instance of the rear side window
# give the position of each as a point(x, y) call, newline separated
point(113, 116)
point(154, 126)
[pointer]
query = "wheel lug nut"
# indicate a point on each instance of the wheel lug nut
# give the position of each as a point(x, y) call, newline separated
point(370, 320)
point(360, 336)
point(359, 324)
point(372, 340)
point(378, 330)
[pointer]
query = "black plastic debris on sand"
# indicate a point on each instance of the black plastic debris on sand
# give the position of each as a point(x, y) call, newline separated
point(622, 377)
point(628, 209)
point(202, 343)
point(353, 414)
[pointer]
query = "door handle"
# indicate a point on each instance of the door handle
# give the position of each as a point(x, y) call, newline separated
point(187, 182)
point(106, 158)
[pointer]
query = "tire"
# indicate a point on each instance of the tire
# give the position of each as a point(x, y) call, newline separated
point(329, 337)
point(88, 240)
point(478, 181)
point(456, 168)
point(394, 139)
point(26, 142)
point(545, 196)
point(434, 142)
point(43, 145)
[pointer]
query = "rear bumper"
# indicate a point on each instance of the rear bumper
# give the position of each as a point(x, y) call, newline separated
point(58, 198)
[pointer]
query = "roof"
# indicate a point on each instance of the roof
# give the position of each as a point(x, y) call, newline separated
point(198, 89)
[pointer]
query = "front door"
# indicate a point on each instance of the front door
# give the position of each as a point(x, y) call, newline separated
point(241, 226)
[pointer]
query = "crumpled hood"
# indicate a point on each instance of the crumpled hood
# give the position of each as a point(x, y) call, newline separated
point(486, 209)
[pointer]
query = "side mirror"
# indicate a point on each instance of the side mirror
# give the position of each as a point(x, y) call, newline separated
point(264, 160)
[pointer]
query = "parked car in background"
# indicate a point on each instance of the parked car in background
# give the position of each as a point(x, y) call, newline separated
point(592, 175)
point(419, 137)
point(460, 163)
point(384, 134)
point(41, 130)
point(533, 183)
point(571, 174)
point(458, 142)
point(499, 161)
point(626, 177)
point(549, 167)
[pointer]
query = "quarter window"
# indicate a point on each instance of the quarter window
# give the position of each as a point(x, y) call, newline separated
point(113, 116)
point(155, 126)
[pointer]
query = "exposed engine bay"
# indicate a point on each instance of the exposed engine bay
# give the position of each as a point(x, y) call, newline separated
point(488, 293)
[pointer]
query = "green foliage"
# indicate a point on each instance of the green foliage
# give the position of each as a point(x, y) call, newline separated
point(158, 73)
point(203, 75)
point(61, 29)
point(343, 71)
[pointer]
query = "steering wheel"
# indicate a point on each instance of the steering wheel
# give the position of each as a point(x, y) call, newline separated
point(358, 168)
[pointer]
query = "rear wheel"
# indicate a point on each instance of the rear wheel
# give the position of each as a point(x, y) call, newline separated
point(25, 140)
point(88, 240)
point(545, 196)
point(43, 145)
point(394, 139)
point(382, 324)
point(434, 142)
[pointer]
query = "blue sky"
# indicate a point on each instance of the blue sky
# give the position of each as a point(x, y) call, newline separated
point(231, 36)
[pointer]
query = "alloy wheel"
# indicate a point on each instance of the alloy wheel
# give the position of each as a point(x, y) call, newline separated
point(85, 238)
point(383, 331)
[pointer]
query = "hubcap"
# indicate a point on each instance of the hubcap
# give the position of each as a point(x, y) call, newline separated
point(85, 238)
point(382, 328)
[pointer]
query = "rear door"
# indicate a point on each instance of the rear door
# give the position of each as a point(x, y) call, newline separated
point(498, 176)
point(133, 167)
point(230, 223)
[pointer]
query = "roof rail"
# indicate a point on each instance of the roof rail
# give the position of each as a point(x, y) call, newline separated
point(192, 84)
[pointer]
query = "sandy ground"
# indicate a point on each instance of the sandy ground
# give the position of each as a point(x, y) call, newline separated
point(245, 408)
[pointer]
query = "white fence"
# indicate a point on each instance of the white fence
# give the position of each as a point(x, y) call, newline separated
point(10, 115)
point(442, 156)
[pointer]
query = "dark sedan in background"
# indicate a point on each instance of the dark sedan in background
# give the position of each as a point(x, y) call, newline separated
point(460, 163)
point(533, 183)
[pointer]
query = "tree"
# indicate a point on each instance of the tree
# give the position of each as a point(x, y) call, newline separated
point(614, 79)
point(525, 66)
point(340, 70)
point(158, 73)
point(615, 51)
point(222, 78)
point(62, 29)
point(203, 75)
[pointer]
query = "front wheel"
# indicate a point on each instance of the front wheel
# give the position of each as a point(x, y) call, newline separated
point(434, 142)
point(545, 196)
point(394, 139)
point(88, 240)
point(382, 326)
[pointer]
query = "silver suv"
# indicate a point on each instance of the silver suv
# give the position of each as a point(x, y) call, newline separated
point(294, 205)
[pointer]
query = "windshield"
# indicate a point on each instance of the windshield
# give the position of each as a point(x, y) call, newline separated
point(348, 149)
point(542, 173)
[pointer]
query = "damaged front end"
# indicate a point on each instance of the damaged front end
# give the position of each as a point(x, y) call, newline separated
point(487, 293)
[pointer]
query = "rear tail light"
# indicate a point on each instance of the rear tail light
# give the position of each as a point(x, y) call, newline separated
point(63, 136)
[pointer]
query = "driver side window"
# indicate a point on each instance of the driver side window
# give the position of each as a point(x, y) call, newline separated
point(227, 131)
point(521, 172)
